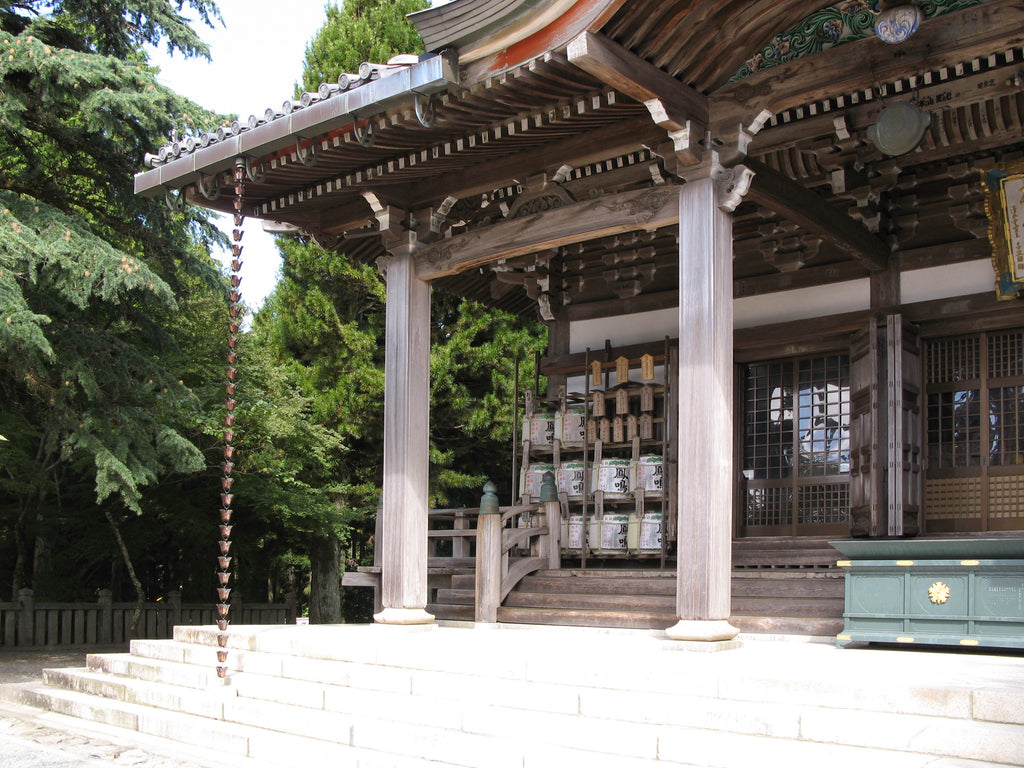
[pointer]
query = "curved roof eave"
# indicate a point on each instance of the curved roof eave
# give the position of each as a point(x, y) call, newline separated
point(509, 31)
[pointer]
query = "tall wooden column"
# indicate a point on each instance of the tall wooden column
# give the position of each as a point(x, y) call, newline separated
point(705, 477)
point(406, 428)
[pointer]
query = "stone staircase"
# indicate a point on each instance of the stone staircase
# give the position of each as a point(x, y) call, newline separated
point(531, 697)
point(804, 601)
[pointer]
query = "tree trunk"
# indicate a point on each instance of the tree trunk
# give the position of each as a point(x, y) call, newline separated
point(325, 580)
point(133, 632)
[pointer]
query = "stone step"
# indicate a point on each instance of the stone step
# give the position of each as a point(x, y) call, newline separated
point(476, 697)
point(822, 627)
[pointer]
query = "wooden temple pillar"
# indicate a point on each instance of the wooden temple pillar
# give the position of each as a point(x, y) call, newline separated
point(406, 439)
point(705, 392)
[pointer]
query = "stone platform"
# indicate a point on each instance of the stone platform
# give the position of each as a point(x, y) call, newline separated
point(495, 696)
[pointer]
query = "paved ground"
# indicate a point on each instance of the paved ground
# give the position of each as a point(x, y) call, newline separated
point(33, 739)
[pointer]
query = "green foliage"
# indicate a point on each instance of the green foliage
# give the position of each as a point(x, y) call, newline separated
point(358, 31)
point(94, 281)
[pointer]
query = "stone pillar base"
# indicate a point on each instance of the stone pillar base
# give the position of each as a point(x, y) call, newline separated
point(702, 631)
point(403, 616)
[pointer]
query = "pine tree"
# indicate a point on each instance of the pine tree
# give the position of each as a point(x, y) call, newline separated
point(90, 274)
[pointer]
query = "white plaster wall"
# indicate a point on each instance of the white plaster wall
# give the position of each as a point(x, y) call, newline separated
point(945, 282)
point(623, 330)
point(802, 304)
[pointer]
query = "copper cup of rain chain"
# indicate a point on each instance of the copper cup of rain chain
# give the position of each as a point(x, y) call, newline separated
point(235, 282)
point(230, 388)
point(224, 577)
point(225, 547)
point(225, 499)
point(225, 514)
point(237, 234)
point(233, 327)
point(231, 373)
point(232, 355)
point(229, 420)
point(226, 482)
point(224, 562)
point(225, 531)
point(222, 656)
point(222, 641)
point(234, 310)
point(222, 609)
point(239, 218)
point(230, 403)
point(229, 436)
point(235, 296)
point(229, 451)
point(222, 671)
point(222, 625)
point(232, 345)
point(227, 466)
point(223, 593)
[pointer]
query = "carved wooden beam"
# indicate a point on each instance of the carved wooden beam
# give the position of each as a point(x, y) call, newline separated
point(942, 41)
point(641, 209)
point(678, 108)
point(798, 204)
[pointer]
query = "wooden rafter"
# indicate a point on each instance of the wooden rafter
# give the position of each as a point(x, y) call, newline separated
point(801, 206)
point(942, 41)
point(674, 106)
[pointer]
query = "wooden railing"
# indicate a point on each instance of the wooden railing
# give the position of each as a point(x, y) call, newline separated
point(489, 540)
point(27, 623)
point(497, 570)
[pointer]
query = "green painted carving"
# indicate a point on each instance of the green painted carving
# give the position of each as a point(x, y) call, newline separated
point(841, 23)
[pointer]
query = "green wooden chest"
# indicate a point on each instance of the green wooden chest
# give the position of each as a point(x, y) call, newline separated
point(967, 592)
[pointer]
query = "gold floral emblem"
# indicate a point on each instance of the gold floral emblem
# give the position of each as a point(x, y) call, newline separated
point(938, 592)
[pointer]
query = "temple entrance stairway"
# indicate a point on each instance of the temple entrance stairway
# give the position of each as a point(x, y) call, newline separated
point(533, 697)
point(779, 586)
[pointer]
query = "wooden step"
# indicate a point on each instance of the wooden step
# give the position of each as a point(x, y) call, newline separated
point(788, 606)
point(787, 625)
point(445, 612)
point(545, 582)
point(578, 617)
point(605, 602)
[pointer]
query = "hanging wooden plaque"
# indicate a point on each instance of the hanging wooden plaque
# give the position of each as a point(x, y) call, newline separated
point(604, 429)
point(599, 403)
point(647, 399)
point(647, 367)
point(622, 401)
point(595, 373)
point(646, 427)
point(591, 431)
point(621, 370)
point(618, 430)
point(632, 427)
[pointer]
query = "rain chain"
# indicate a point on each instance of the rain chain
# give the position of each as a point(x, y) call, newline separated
point(234, 323)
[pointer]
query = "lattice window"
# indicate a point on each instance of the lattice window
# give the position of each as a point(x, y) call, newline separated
point(975, 424)
point(824, 504)
point(797, 431)
point(954, 360)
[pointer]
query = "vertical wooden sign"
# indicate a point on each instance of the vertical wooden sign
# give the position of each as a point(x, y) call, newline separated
point(595, 373)
point(621, 370)
point(647, 399)
point(647, 367)
point(598, 409)
point(622, 401)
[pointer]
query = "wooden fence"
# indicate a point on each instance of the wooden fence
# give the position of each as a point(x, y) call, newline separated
point(27, 623)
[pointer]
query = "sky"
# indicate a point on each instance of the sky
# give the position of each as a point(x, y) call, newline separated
point(257, 59)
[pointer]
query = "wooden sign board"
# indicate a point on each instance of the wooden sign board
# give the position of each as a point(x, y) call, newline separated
point(598, 409)
point(647, 367)
point(621, 370)
point(622, 401)
point(1004, 204)
point(595, 373)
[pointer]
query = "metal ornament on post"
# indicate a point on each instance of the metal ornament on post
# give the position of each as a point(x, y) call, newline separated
point(234, 324)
